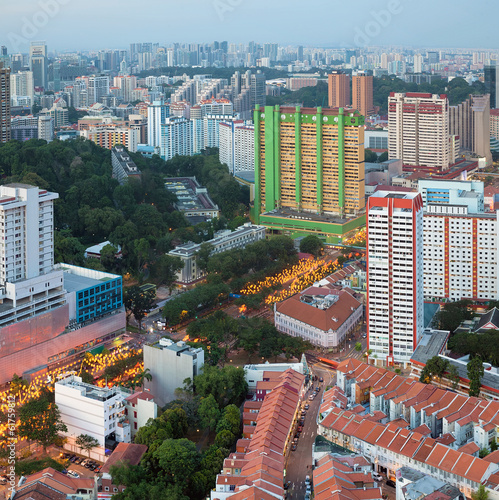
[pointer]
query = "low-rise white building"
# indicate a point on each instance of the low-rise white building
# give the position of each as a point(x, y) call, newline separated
point(140, 407)
point(322, 316)
point(170, 364)
point(87, 409)
point(223, 241)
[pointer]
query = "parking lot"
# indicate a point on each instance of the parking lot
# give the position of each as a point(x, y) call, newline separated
point(82, 466)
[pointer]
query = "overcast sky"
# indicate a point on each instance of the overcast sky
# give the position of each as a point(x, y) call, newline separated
point(96, 24)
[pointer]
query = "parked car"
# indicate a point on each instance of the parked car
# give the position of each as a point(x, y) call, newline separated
point(4, 479)
point(391, 483)
point(287, 484)
point(307, 479)
point(317, 389)
point(307, 407)
point(311, 397)
point(293, 447)
point(364, 335)
point(300, 428)
point(321, 380)
point(74, 474)
point(98, 468)
point(377, 477)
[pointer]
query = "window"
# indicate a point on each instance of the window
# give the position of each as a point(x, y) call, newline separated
point(134, 414)
point(135, 425)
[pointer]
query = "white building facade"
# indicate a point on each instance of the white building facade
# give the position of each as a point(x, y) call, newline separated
point(87, 409)
point(395, 296)
point(418, 129)
point(237, 146)
point(176, 137)
point(223, 242)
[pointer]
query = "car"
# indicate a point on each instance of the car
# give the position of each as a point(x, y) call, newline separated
point(286, 485)
point(391, 483)
point(308, 489)
point(307, 407)
point(300, 428)
point(311, 397)
point(293, 448)
point(73, 474)
point(317, 389)
point(307, 479)
point(377, 477)
point(301, 422)
point(321, 380)
point(364, 335)
point(98, 468)
point(4, 479)
point(79, 460)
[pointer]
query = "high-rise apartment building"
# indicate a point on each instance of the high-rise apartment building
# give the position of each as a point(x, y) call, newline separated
point(176, 137)
point(494, 123)
point(461, 241)
point(157, 113)
point(362, 94)
point(38, 63)
point(339, 89)
point(4, 104)
point(418, 63)
point(470, 120)
point(491, 79)
point(395, 295)
point(309, 159)
point(46, 128)
point(98, 87)
point(237, 146)
point(418, 130)
point(21, 84)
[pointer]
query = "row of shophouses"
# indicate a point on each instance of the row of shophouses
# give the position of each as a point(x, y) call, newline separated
point(395, 422)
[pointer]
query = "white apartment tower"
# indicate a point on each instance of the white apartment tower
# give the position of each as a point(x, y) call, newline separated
point(395, 298)
point(237, 146)
point(157, 113)
point(21, 85)
point(28, 283)
point(418, 130)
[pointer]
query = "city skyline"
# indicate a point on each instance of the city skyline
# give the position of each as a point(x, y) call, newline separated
point(381, 24)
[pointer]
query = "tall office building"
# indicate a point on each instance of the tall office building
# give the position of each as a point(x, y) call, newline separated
point(395, 298)
point(418, 130)
point(362, 94)
point(491, 78)
point(38, 63)
point(4, 104)
point(338, 89)
point(309, 159)
point(470, 120)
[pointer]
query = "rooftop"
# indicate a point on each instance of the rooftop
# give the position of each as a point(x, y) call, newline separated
point(190, 195)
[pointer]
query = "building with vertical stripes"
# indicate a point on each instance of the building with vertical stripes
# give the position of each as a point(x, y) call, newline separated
point(309, 160)
point(395, 295)
point(461, 241)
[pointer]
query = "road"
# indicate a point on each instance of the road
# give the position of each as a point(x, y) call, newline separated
point(299, 462)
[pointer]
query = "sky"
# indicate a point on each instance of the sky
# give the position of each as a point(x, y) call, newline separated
point(68, 25)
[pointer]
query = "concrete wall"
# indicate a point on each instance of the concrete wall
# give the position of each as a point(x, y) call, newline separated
point(37, 348)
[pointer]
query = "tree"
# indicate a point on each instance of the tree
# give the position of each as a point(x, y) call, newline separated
point(453, 314)
point(475, 372)
point(17, 384)
point(138, 302)
point(209, 412)
point(40, 421)
point(225, 439)
point(480, 494)
point(203, 256)
point(166, 268)
point(86, 442)
point(179, 459)
point(358, 347)
point(453, 376)
point(312, 244)
point(493, 445)
point(370, 156)
point(437, 366)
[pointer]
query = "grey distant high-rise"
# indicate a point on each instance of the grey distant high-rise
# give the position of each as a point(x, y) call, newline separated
point(38, 63)
point(491, 74)
point(4, 104)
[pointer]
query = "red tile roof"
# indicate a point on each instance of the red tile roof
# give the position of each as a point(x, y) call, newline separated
point(129, 453)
